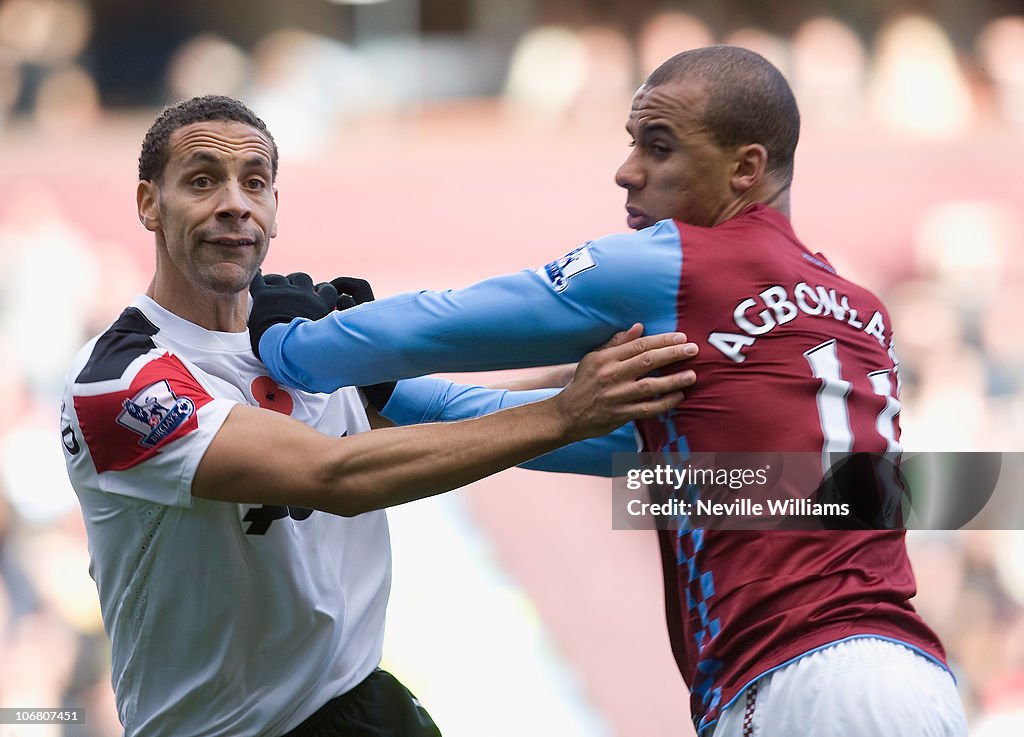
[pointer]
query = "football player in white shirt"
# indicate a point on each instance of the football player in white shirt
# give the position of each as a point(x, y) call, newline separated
point(235, 527)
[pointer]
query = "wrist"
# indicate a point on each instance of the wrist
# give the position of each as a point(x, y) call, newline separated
point(270, 341)
point(565, 426)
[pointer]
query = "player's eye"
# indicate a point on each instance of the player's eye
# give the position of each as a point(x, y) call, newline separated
point(256, 183)
point(201, 182)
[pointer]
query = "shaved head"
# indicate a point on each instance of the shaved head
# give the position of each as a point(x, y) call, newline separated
point(748, 100)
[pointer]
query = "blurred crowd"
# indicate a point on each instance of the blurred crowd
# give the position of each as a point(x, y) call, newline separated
point(957, 308)
point(908, 77)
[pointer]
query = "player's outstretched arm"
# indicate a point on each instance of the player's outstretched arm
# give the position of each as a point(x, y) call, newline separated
point(262, 457)
point(433, 399)
point(513, 321)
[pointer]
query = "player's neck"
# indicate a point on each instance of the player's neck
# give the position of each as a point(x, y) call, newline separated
point(211, 310)
point(777, 198)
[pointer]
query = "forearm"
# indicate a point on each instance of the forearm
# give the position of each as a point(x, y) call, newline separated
point(295, 465)
point(414, 462)
point(553, 378)
point(430, 332)
point(430, 399)
point(590, 457)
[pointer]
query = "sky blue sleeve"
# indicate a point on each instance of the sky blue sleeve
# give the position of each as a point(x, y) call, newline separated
point(430, 399)
point(552, 315)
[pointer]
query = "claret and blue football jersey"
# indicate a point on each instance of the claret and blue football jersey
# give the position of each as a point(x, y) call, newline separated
point(793, 357)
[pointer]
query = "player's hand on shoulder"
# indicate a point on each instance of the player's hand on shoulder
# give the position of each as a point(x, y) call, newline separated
point(280, 299)
point(620, 381)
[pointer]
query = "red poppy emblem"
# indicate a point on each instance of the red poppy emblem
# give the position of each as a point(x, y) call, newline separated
point(269, 395)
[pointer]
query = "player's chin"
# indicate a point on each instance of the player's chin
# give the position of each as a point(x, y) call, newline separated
point(229, 277)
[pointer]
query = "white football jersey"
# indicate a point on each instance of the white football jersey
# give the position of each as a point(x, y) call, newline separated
point(225, 619)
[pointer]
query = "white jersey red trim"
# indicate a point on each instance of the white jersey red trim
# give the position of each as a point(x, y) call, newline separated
point(225, 619)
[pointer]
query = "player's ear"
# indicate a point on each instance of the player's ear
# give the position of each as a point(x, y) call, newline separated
point(749, 167)
point(146, 201)
point(273, 228)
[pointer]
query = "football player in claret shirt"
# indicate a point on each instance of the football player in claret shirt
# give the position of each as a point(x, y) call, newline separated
point(787, 632)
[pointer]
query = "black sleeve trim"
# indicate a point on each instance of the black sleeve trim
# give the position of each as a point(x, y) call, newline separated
point(129, 337)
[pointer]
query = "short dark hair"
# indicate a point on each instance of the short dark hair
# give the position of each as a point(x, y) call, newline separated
point(153, 158)
point(749, 101)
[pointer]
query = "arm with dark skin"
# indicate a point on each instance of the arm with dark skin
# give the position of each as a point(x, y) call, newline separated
point(262, 457)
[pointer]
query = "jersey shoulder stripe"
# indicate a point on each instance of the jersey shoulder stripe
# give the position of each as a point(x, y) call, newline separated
point(129, 337)
point(130, 425)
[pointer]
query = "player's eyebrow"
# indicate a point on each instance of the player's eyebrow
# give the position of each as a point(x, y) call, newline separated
point(655, 129)
point(648, 130)
point(201, 157)
point(257, 162)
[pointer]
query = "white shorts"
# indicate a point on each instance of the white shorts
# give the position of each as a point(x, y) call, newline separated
point(862, 687)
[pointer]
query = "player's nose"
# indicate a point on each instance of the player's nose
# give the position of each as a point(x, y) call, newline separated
point(233, 203)
point(630, 174)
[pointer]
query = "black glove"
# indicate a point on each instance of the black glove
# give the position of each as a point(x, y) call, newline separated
point(277, 299)
point(353, 291)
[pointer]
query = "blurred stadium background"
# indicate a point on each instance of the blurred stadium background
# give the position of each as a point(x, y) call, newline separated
point(428, 143)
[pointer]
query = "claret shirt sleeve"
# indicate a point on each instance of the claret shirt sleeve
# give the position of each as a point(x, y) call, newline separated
point(553, 314)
